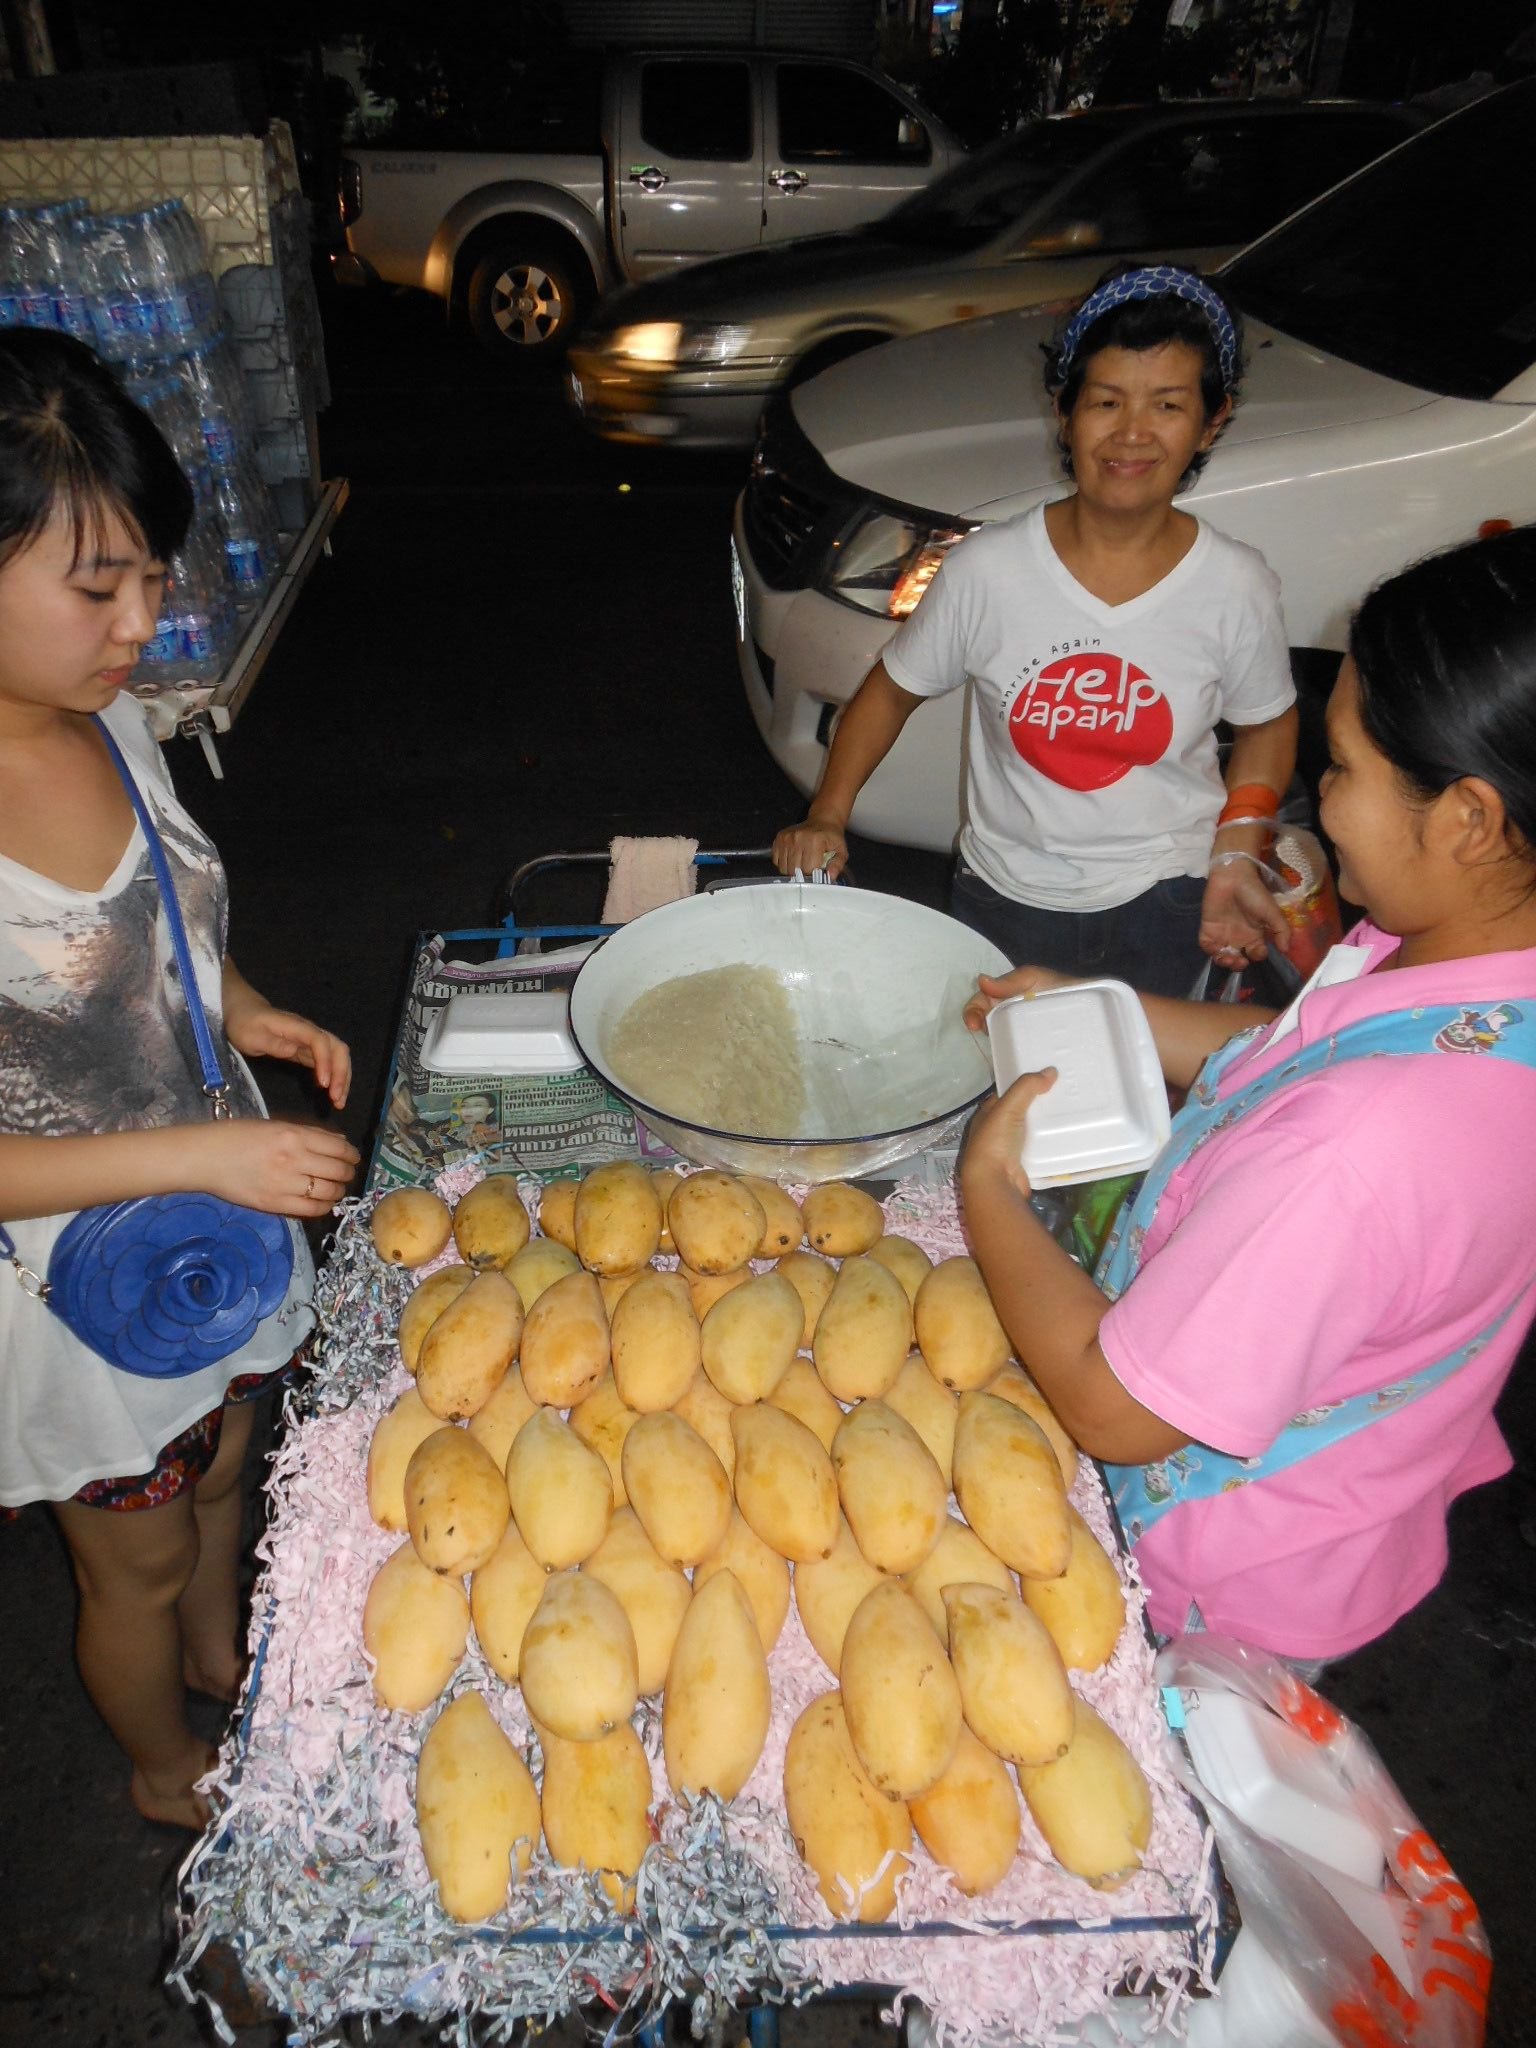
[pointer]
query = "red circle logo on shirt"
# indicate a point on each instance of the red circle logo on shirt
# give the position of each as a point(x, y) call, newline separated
point(1088, 719)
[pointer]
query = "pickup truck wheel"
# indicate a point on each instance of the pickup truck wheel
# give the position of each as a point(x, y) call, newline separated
point(524, 302)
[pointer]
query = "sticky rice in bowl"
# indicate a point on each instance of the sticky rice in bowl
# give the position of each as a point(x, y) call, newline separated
point(803, 1033)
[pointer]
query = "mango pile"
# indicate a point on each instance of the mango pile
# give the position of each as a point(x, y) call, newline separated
point(635, 1468)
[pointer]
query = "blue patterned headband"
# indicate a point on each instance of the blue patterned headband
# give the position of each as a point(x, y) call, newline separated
point(1156, 281)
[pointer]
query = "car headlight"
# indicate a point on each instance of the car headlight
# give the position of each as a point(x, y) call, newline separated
point(664, 344)
point(651, 341)
point(886, 563)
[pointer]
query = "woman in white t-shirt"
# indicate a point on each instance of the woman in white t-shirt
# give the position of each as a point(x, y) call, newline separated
point(1105, 635)
point(101, 1085)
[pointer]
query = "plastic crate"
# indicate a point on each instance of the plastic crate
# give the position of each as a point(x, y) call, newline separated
point(252, 297)
point(282, 451)
point(276, 395)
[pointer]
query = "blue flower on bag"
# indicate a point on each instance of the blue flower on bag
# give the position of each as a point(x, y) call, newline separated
point(167, 1284)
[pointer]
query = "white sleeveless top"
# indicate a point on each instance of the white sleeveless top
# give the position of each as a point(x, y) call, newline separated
point(95, 1037)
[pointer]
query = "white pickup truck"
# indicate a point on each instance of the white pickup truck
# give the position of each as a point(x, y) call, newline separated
point(638, 161)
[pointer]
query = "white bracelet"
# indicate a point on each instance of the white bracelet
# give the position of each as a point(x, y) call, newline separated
point(1225, 860)
point(1225, 824)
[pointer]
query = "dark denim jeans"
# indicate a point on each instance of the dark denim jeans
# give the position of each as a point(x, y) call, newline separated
point(1152, 942)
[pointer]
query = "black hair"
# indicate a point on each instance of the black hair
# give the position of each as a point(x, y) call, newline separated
point(1142, 324)
point(73, 441)
point(1446, 656)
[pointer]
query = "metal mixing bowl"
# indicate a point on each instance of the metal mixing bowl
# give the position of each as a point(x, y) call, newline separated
point(877, 986)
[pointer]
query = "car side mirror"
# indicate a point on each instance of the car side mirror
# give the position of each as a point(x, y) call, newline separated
point(911, 135)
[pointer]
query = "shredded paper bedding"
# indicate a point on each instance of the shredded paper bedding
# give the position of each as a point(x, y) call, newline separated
point(313, 1876)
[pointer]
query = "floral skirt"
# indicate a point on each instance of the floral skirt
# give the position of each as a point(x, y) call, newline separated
point(184, 1461)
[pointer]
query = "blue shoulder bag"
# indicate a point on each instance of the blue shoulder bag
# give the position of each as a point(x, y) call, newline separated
point(164, 1285)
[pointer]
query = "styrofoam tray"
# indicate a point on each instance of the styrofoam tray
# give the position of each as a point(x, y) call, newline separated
point(502, 1034)
point(1108, 1112)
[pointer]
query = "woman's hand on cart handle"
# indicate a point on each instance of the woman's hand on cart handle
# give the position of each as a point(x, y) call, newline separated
point(817, 845)
point(284, 1169)
point(992, 989)
point(994, 1138)
point(266, 1033)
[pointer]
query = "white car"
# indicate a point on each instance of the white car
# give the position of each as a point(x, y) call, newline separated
point(1389, 408)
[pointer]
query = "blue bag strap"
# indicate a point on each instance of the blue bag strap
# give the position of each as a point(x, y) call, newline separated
point(215, 1087)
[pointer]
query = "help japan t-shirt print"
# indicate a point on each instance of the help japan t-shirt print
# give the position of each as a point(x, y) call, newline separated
point(1087, 718)
point(1092, 761)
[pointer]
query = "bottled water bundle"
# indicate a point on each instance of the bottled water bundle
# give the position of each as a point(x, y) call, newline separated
point(136, 287)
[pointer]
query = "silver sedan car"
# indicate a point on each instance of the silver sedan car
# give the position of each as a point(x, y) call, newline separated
point(1031, 220)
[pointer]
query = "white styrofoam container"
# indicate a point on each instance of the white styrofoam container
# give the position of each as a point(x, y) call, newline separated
point(1275, 1778)
point(502, 1034)
point(1108, 1111)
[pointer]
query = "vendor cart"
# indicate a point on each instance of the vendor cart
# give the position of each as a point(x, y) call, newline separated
point(312, 1874)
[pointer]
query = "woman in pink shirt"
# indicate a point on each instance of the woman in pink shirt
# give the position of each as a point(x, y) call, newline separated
point(1290, 1353)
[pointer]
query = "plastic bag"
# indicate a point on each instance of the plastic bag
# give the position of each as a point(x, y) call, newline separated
point(1352, 1991)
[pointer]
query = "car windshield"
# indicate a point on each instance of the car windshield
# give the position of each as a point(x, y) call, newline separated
point(1423, 268)
point(979, 198)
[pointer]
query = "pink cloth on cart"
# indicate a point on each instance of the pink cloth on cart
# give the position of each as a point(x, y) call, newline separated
point(643, 874)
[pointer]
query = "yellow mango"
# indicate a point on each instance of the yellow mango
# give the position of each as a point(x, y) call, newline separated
point(899, 1693)
point(617, 1218)
point(785, 1485)
point(829, 1589)
point(428, 1300)
point(908, 1261)
point(602, 1421)
point(557, 1211)
point(890, 1489)
point(959, 1558)
point(750, 1335)
point(540, 1263)
point(502, 1596)
point(762, 1574)
point(969, 1817)
point(716, 1223)
point(490, 1224)
point(1085, 1608)
point(843, 1828)
point(495, 1425)
point(578, 1666)
point(455, 1502)
point(958, 1331)
point(655, 1342)
point(1013, 1683)
point(565, 1342)
point(395, 1436)
point(863, 1332)
point(415, 1628)
point(813, 1279)
point(678, 1488)
point(1009, 1487)
point(561, 1494)
point(704, 1408)
point(932, 1410)
point(705, 1289)
point(476, 1808)
point(1014, 1385)
point(409, 1226)
point(801, 1393)
point(465, 1354)
point(841, 1221)
point(717, 1705)
point(653, 1593)
point(596, 1807)
point(666, 1183)
point(785, 1226)
point(1093, 1805)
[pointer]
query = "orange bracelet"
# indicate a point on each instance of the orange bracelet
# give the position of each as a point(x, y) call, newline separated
point(1248, 801)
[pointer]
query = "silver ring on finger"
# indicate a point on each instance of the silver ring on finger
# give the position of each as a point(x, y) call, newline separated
point(309, 1187)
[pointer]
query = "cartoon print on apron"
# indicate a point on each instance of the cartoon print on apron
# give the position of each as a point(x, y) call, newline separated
point(1144, 1493)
